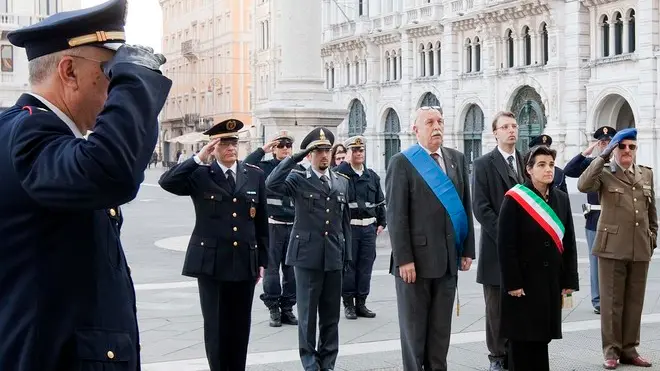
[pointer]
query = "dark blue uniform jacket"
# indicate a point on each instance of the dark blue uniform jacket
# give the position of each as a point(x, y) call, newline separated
point(68, 301)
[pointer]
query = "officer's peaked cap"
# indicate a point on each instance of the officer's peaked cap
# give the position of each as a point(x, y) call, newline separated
point(544, 140)
point(101, 25)
point(284, 136)
point(321, 137)
point(357, 141)
point(605, 132)
point(227, 129)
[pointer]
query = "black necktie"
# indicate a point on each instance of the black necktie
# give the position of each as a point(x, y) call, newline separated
point(326, 183)
point(230, 179)
point(510, 159)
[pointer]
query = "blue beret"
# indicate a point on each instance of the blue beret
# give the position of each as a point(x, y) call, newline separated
point(96, 26)
point(630, 133)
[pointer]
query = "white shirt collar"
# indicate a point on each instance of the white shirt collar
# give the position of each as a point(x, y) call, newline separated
point(439, 151)
point(319, 174)
point(507, 155)
point(67, 120)
point(233, 168)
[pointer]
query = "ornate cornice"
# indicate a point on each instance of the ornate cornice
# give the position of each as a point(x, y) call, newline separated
point(503, 13)
point(425, 30)
point(592, 3)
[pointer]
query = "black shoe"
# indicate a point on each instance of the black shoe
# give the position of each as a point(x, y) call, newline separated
point(288, 318)
point(349, 308)
point(597, 310)
point(275, 317)
point(361, 310)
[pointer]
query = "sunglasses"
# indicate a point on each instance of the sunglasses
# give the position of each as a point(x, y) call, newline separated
point(284, 145)
point(632, 147)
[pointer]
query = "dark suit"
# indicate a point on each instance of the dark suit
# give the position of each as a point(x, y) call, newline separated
point(559, 180)
point(421, 233)
point(67, 295)
point(319, 248)
point(226, 249)
point(492, 178)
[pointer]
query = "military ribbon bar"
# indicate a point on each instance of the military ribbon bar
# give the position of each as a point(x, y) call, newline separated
point(541, 212)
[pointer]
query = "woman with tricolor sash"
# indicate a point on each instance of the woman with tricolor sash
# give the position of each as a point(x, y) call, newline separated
point(538, 262)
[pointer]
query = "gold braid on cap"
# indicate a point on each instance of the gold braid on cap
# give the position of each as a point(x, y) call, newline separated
point(97, 37)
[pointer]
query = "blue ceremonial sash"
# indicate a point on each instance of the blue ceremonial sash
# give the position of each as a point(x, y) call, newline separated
point(444, 190)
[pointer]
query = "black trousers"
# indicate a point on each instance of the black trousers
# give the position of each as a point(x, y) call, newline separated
point(528, 356)
point(278, 295)
point(357, 278)
point(318, 291)
point(227, 312)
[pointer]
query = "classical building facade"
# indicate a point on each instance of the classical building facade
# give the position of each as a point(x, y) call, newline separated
point(207, 45)
point(564, 68)
point(15, 14)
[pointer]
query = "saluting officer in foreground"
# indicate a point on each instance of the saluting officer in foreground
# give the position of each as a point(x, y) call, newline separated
point(366, 201)
point(227, 249)
point(68, 301)
point(320, 245)
point(559, 180)
point(625, 240)
point(591, 210)
point(279, 299)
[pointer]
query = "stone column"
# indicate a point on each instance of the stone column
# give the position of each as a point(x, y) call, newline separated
point(300, 101)
point(612, 36)
point(624, 36)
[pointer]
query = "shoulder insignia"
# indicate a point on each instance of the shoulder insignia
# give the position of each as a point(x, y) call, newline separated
point(252, 166)
point(31, 109)
point(344, 175)
point(302, 172)
point(646, 166)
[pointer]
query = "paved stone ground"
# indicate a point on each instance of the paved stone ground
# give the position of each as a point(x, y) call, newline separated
point(154, 236)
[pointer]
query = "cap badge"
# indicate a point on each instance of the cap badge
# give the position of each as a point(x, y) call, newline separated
point(358, 141)
point(231, 125)
point(545, 139)
point(604, 130)
point(321, 134)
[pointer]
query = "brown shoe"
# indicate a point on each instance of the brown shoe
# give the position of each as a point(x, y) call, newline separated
point(637, 361)
point(610, 364)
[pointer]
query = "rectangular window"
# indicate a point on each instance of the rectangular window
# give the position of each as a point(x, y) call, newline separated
point(47, 7)
point(7, 58)
point(4, 6)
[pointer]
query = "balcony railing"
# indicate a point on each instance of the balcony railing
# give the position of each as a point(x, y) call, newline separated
point(343, 30)
point(424, 14)
point(387, 22)
point(13, 21)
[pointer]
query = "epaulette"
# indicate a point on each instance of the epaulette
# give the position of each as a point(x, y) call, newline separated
point(646, 166)
point(31, 109)
point(344, 175)
point(298, 171)
point(252, 166)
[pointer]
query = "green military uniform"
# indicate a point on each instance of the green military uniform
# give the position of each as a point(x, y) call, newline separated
point(625, 240)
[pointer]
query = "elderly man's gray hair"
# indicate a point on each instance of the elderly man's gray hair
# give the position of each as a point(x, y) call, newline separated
point(40, 68)
point(417, 112)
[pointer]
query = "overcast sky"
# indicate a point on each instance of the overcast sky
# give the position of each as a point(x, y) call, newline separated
point(144, 23)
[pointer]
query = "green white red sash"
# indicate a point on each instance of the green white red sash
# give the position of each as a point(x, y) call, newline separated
point(540, 211)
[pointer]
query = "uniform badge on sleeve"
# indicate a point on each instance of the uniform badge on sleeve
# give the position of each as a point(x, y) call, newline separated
point(253, 212)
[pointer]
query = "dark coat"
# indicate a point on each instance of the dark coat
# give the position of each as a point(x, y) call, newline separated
point(492, 178)
point(366, 198)
point(68, 301)
point(420, 229)
point(574, 169)
point(529, 259)
point(230, 238)
point(321, 234)
point(560, 179)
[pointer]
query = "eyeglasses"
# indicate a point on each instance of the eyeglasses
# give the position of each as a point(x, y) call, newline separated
point(284, 145)
point(632, 147)
point(507, 127)
point(89, 59)
point(426, 108)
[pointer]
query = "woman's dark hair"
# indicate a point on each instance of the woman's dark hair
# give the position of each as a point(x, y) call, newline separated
point(534, 152)
point(335, 149)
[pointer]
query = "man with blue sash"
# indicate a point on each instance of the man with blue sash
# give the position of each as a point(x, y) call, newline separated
point(432, 236)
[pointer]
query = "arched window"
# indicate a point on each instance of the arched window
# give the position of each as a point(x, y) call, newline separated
point(473, 127)
point(429, 100)
point(391, 134)
point(544, 43)
point(388, 66)
point(422, 61)
point(468, 55)
point(618, 34)
point(509, 49)
point(357, 119)
point(631, 31)
point(528, 46)
point(399, 63)
point(438, 57)
point(477, 54)
point(605, 36)
point(430, 54)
